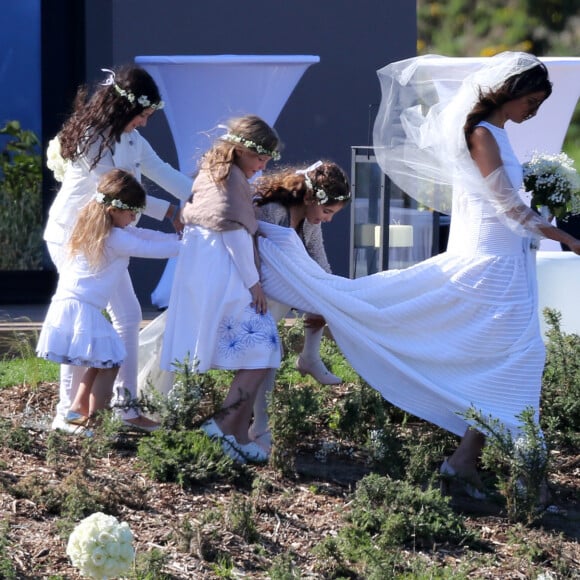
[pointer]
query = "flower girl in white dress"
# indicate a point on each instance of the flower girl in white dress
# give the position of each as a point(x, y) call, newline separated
point(75, 330)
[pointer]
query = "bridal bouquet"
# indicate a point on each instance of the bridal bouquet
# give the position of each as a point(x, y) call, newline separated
point(54, 160)
point(101, 547)
point(553, 183)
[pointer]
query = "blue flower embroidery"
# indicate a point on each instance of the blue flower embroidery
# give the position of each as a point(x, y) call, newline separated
point(228, 326)
point(231, 346)
point(253, 331)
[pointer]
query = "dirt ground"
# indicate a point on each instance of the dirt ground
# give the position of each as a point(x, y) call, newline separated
point(292, 515)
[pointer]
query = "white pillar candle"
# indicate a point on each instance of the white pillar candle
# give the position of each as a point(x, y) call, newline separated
point(400, 236)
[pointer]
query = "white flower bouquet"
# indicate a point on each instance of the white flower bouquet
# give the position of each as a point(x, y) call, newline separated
point(101, 547)
point(54, 160)
point(554, 183)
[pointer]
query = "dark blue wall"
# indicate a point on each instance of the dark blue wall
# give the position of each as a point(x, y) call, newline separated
point(330, 109)
point(20, 63)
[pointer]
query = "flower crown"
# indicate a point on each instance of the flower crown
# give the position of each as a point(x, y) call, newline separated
point(143, 100)
point(321, 196)
point(109, 201)
point(232, 138)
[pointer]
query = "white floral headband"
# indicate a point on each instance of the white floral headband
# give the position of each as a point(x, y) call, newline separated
point(109, 201)
point(143, 100)
point(232, 138)
point(321, 196)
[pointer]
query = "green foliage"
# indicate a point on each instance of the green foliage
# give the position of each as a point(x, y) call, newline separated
point(149, 565)
point(422, 450)
point(19, 364)
point(193, 398)
point(469, 28)
point(73, 498)
point(520, 462)
point(292, 412)
point(396, 512)
point(224, 567)
point(362, 410)
point(185, 457)
point(7, 569)
point(384, 515)
point(240, 518)
point(284, 568)
point(561, 384)
point(20, 200)
point(15, 437)
point(28, 371)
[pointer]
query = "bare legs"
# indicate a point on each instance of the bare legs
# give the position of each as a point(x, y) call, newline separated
point(464, 459)
point(239, 402)
point(94, 391)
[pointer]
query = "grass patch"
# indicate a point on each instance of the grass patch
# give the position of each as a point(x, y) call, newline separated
point(29, 371)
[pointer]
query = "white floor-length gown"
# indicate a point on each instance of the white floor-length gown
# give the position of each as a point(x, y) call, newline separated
point(459, 330)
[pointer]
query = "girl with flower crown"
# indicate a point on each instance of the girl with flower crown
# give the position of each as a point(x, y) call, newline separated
point(218, 314)
point(101, 134)
point(75, 330)
point(301, 199)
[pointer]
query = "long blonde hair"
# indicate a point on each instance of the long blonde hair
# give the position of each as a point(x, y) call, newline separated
point(94, 223)
point(251, 129)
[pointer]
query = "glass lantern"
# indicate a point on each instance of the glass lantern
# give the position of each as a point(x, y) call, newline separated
point(412, 234)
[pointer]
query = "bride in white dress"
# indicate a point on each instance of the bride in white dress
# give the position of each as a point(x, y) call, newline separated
point(459, 330)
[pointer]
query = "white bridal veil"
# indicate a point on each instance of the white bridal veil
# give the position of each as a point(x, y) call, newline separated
point(418, 133)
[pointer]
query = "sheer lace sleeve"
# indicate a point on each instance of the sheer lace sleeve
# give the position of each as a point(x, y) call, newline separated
point(509, 207)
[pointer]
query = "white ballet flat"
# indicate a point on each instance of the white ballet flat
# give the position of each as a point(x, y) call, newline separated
point(263, 439)
point(449, 475)
point(249, 451)
point(318, 370)
point(228, 442)
point(211, 429)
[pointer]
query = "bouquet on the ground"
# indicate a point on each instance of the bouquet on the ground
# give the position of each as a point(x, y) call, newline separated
point(54, 159)
point(101, 547)
point(554, 183)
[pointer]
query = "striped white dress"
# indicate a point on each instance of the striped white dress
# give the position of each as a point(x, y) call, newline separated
point(457, 331)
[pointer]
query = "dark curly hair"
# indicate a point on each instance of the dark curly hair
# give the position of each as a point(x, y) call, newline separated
point(104, 115)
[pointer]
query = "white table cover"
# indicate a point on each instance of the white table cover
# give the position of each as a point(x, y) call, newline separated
point(203, 91)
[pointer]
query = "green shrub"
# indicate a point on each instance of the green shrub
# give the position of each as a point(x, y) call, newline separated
point(15, 437)
point(385, 515)
point(7, 569)
point(423, 447)
point(20, 200)
point(560, 405)
point(193, 398)
point(185, 457)
point(149, 565)
point(284, 568)
point(521, 462)
point(396, 512)
point(363, 409)
point(293, 414)
point(240, 518)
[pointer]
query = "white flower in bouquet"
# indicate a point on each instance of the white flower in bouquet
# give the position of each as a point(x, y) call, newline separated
point(54, 160)
point(101, 547)
point(554, 183)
